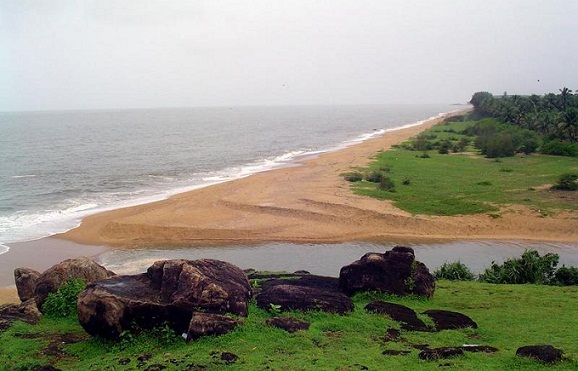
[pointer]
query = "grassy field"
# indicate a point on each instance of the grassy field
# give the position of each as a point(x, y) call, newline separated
point(508, 317)
point(467, 183)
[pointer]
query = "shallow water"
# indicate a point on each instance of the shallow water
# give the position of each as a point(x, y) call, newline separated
point(327, 259)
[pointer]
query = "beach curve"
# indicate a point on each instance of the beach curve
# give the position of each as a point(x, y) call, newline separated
point(307, 203)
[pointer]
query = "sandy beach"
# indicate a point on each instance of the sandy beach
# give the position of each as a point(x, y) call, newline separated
point(308, 203)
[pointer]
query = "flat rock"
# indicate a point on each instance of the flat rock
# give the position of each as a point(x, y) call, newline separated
point(27, 312)
point(405, 316)
point(396, 271)
point(542, 353)
point(207, 324)
point(440, 353)
point(448, 320)
point(304, 293)
point(288, 324)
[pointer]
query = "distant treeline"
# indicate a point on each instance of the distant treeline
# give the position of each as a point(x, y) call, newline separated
point(552, 117)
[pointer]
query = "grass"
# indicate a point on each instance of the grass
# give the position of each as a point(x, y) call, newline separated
point(508, 316)
point(467, 183)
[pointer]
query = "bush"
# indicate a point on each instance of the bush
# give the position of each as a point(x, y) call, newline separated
point(374, 176)
point(557, 147)
point(567, 182)
point(386, 184)
point(530, 268)
point(496, 146)
point(62, 303)
point(456, 271)
point(353, 176)
point(566, 276)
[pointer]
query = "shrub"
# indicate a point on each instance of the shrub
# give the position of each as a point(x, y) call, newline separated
point(444, 147)
point(456, 271)
point(566, 276)
point(374, 176)
point(62, 303)
point(557, 147)
point(386, 184)
point(353, 176)
point(497, 145)
point(530, 268)
point(567, 182)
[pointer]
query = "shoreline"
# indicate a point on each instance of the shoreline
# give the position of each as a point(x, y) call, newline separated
point(306, 203)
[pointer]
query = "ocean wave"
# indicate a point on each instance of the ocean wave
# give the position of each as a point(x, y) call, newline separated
point(4, 249)
point(23, 176)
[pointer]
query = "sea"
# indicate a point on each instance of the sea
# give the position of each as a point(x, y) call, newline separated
point(57, 167)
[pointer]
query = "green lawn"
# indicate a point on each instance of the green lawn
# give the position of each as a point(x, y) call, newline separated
point(467, 183)
point(508, 317)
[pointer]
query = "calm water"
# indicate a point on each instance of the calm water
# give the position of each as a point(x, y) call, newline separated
point(57, 167)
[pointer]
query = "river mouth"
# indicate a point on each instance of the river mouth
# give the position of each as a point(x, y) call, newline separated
point(322, 259)
point(327, 259)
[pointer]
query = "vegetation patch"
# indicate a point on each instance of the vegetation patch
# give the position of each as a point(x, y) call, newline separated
point(463, 182)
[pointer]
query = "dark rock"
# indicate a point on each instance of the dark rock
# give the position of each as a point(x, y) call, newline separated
point(405, 316)
point(288, 324)
point(302, 295)
point(26, 311)
point(391, 352)
point(479, 348)
point(169, 293)
point(25, 280)
point(204, 324)
point(420, 346)
point(396, 271)
point(124, 361)
point(307, 280)
point(392, 334)
point(440, 353)
point(229, 358)
point(542, 353)
point(54, 277)
point(448, 320)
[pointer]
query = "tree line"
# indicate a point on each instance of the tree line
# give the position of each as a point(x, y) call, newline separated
point(553, 117)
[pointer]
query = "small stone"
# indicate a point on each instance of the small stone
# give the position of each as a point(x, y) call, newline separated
point(288, 324)
point(229, 358)
point(123, 361)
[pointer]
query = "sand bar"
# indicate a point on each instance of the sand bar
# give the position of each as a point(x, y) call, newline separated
point(309, 203)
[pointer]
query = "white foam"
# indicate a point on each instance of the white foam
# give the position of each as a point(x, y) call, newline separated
point(23, 176)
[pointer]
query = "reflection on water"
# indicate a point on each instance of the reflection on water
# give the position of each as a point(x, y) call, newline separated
point(327, 259)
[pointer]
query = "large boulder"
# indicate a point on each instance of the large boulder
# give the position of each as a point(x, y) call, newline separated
point(83, 268)
point(396, 271)
point(303, 293)
point(171, 292)
point(26, 280)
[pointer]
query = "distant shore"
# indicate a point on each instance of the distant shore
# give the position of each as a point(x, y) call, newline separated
point(308, 203)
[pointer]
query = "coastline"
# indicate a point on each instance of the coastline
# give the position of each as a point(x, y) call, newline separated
point(307, 203)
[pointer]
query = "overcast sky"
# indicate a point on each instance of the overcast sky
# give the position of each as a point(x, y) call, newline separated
point(128, 54)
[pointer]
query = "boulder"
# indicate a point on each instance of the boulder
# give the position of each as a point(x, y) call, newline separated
point(304, 293)
point(396, 271)
point(288, 324)
point(206, 324)
point(542, 353)
point(54, 277)
point(405, 316)
point(25, 280)
point(448, 320)
point(171, 292)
